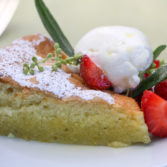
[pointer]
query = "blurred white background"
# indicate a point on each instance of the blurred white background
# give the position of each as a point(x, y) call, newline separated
point(76, 17)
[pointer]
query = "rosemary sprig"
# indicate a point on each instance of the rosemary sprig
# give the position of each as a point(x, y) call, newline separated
point(53, 27)
point(58, 61)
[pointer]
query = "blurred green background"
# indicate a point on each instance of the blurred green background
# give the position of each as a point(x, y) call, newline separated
point(76, 17)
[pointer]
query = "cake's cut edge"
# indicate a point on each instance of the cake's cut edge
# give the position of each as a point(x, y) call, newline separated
point(36, 116)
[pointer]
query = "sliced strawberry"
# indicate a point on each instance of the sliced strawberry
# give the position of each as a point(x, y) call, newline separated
point(161, 89)
point(93, 75)
point(155, 113)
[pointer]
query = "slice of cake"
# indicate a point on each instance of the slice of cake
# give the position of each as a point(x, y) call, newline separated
point(57, 106)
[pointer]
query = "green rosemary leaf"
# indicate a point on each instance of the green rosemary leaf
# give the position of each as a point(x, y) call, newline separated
point(158, 51)
point(53, 28)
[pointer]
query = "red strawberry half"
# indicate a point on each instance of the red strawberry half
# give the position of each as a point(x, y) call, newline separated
point(93, 75)
point(161, 89)
point(155, 113)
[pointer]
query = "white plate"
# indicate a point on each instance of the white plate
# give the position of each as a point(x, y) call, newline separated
point(20, 153)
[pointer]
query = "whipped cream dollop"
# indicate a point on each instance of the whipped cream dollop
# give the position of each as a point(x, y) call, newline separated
point(121, 52)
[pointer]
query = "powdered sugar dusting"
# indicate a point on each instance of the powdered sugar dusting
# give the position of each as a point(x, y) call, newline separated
point(21, 51)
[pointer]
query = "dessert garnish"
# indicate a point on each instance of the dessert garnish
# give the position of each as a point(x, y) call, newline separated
point(159, 75)
point(57, 60)
point(156, 63)
point(93, 75)
point(155, 113)
point(120, 52)
point(155, 73)
point(94, 67)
